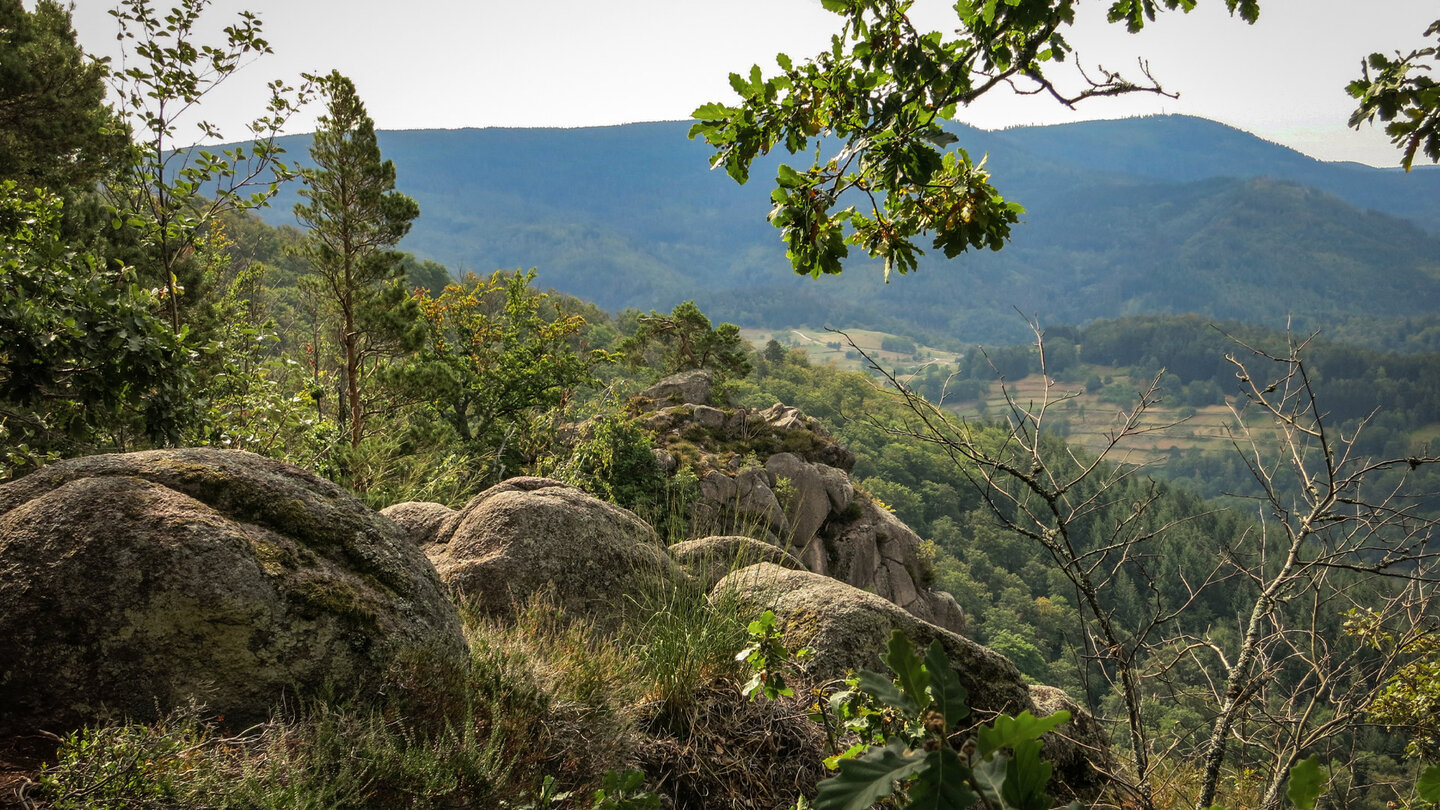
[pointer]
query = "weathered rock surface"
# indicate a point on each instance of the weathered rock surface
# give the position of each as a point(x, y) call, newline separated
point(420, 521)
point(144, 579)
point(878, 552)
point(847, 628)
point(531, 536)
point(809, 503)
point(802, 500)
point(1079, 750)
point(711, 559)
point(686, 387)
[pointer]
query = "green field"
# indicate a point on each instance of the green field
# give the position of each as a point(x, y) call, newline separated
point(830, 347)
point(1090, 418)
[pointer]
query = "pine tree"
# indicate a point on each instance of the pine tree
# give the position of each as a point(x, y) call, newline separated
point(355, 218)
point(55, 130)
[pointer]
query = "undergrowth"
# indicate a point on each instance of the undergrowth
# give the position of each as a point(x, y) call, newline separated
point(549, 712)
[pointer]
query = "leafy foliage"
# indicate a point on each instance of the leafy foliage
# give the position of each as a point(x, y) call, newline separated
point(769, 659)
point(624, 790)
point(1401, 93)
point(1307, 782)
point(1427, 787)
point(497, 354)
point(1410, 698)
point(613, 459)
point(684, 340)
point(883, 91)
point(917, 753)
point(171, 191)
point(84, 364)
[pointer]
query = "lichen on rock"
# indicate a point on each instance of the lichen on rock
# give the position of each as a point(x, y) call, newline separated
point(139, 581)
point(527, 537)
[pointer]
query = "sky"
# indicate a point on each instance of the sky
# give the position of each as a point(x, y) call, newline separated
point(446, 64)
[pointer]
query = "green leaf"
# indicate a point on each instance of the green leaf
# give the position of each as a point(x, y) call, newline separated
point(831, 763)
point(939, 137)
point(1025, 778)
point(1427, 787)
point(712, 112)
point(942, 784)
point(1007, 731)
point(866, 780)
point(882, 688)
point(951, 698)
point(789, 178)
point(909, 670)
point(1307, 782)
point(990, 776)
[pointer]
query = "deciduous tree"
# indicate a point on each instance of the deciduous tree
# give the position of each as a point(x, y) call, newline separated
point(494, 358)
point(1284, 684)
point(173, 190)
point(876, 103)
point(84, 364)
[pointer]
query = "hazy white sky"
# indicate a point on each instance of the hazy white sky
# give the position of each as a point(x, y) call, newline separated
point(483, 63)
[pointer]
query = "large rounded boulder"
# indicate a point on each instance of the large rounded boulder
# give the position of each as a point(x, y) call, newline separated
point(136, 582)
point(530, 537)
point(710, 559)
point(420, 521)
point(847, 629)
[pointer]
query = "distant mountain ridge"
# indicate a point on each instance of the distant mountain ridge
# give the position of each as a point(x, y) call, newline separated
point(1146, 215)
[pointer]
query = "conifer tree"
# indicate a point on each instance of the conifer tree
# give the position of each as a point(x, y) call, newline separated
point(355, 218)
point(55, 130)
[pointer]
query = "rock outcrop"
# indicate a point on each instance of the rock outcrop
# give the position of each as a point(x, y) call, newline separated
point(528, 537)
point(678, 389)
point(144, 580)
point(847, 628)
point(1079, 750)
point(777, 475)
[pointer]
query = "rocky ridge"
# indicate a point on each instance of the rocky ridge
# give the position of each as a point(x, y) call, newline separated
point(133, 584)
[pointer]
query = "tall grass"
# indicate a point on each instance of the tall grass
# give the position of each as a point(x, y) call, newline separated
point(545, 695)
point(680, 641)
point(330, 758)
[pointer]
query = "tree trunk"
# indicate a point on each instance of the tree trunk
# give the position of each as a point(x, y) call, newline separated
point(352, 376)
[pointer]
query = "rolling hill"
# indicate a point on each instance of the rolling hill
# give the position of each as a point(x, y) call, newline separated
point(1149, 215)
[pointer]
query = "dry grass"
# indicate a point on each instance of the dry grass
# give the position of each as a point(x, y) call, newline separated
point(726, 752)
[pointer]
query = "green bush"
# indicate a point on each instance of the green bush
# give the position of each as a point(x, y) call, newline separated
point(912, 752)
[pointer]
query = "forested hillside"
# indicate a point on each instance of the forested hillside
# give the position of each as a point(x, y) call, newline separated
point(630, 217)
